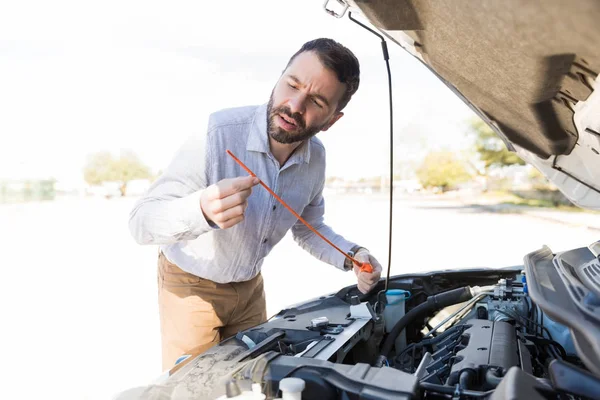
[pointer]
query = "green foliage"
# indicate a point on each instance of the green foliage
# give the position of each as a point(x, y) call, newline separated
point(443, 170)
point(539, 181)
point(491, 149)
point(129, 167)
point(98, 168)
point(103, 167)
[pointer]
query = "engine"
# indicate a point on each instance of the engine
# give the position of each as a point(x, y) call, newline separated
point(475, 354)
point(476, 346)
point(483, 343)
point(444, 341)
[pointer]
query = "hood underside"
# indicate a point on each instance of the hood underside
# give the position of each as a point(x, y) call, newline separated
point(529, 69)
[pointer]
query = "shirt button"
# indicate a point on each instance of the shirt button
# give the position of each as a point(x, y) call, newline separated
point(274, 207)
point(265, 241)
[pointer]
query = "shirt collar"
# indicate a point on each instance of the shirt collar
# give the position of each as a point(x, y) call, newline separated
point(258, 139)
point(301, 154)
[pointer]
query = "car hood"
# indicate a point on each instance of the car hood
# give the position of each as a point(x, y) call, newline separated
point(529, 69)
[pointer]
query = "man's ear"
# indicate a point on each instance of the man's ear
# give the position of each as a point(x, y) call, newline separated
point(333, 120)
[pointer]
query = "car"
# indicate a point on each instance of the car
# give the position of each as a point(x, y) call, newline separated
point(530, 331)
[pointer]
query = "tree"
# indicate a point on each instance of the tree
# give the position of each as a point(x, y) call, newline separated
point(103, 167)
point(98, 168)
point(443, 170)
point(491, 149)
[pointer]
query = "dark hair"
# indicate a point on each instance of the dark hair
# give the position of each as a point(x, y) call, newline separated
point(340, 60)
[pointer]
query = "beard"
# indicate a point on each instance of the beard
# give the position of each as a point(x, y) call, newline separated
point(300, 133)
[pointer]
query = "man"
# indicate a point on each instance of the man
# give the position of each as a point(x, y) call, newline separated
point(214, 231)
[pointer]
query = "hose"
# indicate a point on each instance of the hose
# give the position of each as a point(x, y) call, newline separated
point(465, 379)
point(434, 340)
point(432, 387)
point(433, 303)
point(454, 314)
point(492, 379)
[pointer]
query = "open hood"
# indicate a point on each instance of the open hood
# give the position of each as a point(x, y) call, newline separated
point(529, 69)
point(528, 331)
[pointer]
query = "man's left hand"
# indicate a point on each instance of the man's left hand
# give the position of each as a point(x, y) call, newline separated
point(367, 281)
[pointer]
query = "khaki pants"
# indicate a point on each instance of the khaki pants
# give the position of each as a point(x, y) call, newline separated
point(196, 313)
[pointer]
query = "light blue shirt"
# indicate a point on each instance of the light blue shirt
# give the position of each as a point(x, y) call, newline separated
point(169, 215)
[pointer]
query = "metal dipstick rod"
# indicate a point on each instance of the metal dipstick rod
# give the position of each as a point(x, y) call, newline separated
point(365, 267)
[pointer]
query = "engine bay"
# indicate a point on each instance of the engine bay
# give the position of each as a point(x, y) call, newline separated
point(466, 334)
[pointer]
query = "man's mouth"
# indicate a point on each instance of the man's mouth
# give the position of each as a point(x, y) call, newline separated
point(287, 123)
point(289, 120)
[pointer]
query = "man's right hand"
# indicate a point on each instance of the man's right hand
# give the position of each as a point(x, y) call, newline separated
point(224, 202)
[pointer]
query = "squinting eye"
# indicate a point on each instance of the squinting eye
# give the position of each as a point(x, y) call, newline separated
point(317, 103)
point(292, 86)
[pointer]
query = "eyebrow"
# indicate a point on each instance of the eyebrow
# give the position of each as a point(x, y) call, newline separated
point(315, 95)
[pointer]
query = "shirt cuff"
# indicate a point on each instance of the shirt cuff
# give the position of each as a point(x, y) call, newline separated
point(348, 265)
point(193, 216)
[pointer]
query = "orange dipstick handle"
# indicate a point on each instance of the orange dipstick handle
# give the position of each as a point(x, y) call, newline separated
point(364, 267)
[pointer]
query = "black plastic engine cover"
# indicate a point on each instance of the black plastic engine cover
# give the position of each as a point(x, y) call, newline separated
point(488, 344)
point(326, 380)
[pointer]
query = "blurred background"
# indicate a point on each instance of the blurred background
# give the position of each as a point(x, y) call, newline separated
point(95, 98)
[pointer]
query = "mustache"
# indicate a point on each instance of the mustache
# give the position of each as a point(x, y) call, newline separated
point(297, 117)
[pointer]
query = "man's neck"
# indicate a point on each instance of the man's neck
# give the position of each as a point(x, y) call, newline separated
point(281, 151)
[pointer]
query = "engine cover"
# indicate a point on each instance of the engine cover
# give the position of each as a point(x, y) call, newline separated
point(485, 344)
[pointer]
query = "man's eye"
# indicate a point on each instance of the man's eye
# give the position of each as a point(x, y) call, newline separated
point(292, 86)
point(317, 103)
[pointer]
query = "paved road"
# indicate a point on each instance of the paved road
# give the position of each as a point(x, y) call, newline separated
point(78, 295)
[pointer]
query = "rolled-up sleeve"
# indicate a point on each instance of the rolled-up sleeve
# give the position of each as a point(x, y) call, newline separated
point(170, 211)
point(314, 213)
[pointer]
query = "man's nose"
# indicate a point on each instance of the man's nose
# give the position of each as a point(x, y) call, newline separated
point(297, 103)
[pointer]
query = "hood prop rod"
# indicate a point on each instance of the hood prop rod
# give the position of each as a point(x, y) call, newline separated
point(386, 57)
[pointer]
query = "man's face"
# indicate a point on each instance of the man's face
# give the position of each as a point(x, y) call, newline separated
point(304, 100)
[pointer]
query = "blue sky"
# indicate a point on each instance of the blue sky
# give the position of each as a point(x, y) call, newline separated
point(79, 77)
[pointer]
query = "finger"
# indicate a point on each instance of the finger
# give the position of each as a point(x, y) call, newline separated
point(358, 270)
point(372, 281)
point(362, 262)
point(227, 187)
point(231, 222)
point(362, 277)
point(363, 258)
point(362, 289)
point(221, 205)
point(230, 213)
point(367, 279)
point(375, 264)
